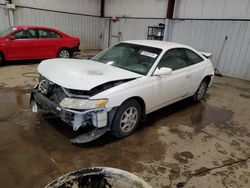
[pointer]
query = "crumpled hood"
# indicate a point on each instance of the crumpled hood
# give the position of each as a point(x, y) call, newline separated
point(81, 74)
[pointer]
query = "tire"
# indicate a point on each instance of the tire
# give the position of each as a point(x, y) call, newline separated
point(1, 59)
point(199, 94)
point(64, 53)
point(126, 119)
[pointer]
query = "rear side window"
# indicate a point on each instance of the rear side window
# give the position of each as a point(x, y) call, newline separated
point(174, 59)
point(25, 34)
point(192, 57)
point(48, 34)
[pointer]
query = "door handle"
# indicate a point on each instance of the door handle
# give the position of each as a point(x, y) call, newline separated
point(188, 76)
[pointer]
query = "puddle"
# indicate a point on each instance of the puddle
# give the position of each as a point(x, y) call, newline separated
point(203, 114)
point(245, 89)
point(13, 101)
point(23, 98)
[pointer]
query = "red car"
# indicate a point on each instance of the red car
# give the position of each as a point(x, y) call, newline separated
point(36, 42)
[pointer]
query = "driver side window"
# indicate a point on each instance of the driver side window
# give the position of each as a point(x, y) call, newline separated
point(174, 59)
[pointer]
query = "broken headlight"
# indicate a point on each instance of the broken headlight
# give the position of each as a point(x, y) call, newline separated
point(82, 104)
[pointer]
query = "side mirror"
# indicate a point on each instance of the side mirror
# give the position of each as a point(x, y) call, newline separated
point(163, 71)
point(11, 37)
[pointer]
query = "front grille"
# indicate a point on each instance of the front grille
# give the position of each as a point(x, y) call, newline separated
point(45, 86)
point(51, 90)
point(69, 117)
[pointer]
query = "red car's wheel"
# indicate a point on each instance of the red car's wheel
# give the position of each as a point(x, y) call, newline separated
point(64, 53)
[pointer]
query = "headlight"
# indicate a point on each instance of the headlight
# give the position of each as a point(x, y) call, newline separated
point(82, 104)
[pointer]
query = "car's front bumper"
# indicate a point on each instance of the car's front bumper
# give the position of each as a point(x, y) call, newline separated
point(97, 117)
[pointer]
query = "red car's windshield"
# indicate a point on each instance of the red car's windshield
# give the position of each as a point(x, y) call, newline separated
point(7, 31)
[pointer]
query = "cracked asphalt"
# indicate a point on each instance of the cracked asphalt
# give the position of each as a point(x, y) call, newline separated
point(186, 144)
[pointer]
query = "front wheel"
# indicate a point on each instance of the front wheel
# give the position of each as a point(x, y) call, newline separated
point(199, 94)
point(64, 53)
point(126, 119)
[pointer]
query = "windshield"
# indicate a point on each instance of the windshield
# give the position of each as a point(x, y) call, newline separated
point(132, 57)
point(7, 31)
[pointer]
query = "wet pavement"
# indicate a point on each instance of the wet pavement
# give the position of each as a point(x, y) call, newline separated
point(186, 144)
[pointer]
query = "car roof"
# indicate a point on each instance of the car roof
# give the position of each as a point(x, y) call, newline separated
point(28, 26)
point(165, 45)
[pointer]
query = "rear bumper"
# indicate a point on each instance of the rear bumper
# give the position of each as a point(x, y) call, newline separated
point(75, 49)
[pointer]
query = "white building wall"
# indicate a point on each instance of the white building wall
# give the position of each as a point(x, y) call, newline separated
point(129, 29)
point(212, 9)
point(137, 28)
point(134, 18)
point(136, 8)
point(91, 7)
point(232, 59)
point(221, 18)
point(4, 19)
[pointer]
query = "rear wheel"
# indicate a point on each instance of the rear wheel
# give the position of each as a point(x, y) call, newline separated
point(126, 119)
point(199, 94)
point(64, 53)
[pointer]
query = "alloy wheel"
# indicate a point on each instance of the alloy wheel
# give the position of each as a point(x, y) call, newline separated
point(128, 119)
point(64, 54)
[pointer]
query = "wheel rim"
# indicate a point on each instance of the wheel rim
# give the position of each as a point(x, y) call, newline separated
point(64, 54)
point(128, 119)
point(202, 90)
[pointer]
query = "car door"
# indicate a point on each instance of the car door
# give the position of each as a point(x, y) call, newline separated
point(170, 88)
point(48, 41)
point(23, 46)
point(197, 68)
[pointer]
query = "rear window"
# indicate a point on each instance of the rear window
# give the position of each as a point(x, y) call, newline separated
point(192, 57)
point(48, 34)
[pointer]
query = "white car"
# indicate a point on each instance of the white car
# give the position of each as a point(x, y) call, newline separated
point(117, 88)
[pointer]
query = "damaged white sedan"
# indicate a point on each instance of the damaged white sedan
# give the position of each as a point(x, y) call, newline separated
point(116, 89)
